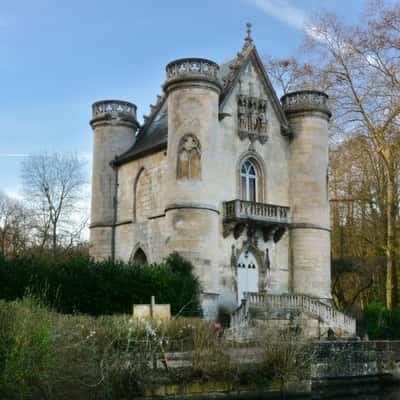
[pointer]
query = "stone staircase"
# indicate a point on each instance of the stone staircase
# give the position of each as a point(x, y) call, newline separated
point(256, 306)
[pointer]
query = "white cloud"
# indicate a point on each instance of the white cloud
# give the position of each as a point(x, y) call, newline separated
point(284, 11)
point(289, 14)
point(13, 194)
point(13, 155)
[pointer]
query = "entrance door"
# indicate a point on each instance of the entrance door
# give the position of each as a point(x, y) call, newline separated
point(247, 274)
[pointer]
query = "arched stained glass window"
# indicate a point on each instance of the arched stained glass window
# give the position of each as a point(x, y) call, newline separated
point(248, 174)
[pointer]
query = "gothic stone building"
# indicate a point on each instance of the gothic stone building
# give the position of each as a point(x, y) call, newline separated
point(224, 173)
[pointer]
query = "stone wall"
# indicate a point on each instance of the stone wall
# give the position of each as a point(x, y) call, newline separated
point(141, 205)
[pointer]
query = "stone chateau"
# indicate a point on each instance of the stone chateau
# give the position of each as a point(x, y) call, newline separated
point(228, 175)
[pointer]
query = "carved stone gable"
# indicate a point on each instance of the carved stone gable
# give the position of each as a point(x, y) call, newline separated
point(252, 119)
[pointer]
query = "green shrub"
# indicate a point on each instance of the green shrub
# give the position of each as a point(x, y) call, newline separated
point(46, 355)
point(26, 349)
point(381, 323)
point(79, 284)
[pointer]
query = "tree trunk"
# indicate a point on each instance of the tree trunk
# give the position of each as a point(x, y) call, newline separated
point(54, 238)
point(390, 242)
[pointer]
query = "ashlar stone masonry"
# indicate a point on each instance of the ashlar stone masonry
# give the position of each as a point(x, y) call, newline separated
point(223, 172)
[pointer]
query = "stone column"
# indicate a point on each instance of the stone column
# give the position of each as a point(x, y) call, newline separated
point(308, 115)
point(114, 125)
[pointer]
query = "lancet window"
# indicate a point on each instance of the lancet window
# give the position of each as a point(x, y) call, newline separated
point(249, 181)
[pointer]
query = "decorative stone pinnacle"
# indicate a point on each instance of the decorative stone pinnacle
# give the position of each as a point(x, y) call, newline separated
point(248, 40)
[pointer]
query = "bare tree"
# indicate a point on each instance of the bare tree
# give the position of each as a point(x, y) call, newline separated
point(15, 226)
point(290, 74)
point(359, 67)
point(54, 188)
point(362, 65)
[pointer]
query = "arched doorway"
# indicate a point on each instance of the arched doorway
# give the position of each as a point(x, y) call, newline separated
point(139, 257)
point(247, 274)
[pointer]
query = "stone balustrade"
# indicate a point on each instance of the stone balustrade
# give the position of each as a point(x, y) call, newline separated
point(258, 212)
point(303, 303)
point(305, 100)
point(115, 107)
point(239, 317)
point(192, 69)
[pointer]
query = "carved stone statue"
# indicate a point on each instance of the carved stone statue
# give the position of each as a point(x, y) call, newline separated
point(252, 122)
point(242, 114)
point(262, 123)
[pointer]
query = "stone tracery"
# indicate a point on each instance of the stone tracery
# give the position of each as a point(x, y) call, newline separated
point(189, 156)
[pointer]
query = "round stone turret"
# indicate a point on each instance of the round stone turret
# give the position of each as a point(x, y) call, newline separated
point(114, 126)
point(190, 70)
point(308, 115)
point(305, 101)
point(192, 201)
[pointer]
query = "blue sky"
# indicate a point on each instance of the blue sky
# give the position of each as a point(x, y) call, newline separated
point(58, 57)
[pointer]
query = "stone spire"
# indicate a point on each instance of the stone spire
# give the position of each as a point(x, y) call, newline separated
point(248, 41)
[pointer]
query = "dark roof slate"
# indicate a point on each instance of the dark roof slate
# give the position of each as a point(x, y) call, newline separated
point(148, 141)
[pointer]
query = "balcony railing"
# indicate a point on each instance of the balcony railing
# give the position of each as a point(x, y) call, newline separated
point(305, 303)
point(241, 210)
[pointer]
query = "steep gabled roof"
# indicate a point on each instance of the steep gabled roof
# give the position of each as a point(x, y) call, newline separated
point(236, 66)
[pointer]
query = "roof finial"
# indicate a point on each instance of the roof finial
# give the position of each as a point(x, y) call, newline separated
point(248, 40)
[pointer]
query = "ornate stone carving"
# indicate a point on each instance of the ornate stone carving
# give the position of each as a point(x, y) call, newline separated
point(113, 107)
point(305, 101)
point(233, 257)
point(239, 214)
point(267, 261)
point(238, 230)
point(192, 69)
point(252, 120)
point(279, 233)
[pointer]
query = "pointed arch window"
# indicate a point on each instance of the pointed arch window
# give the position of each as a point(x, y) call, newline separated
point(189, 157)
point(249, 181)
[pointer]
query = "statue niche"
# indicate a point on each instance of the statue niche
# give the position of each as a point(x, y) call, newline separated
point(252, 119)
point(189, 155)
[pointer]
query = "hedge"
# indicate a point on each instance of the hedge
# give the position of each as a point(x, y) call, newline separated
point(79, 284)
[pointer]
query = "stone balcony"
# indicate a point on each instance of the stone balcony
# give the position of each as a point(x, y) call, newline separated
point(272, 219)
